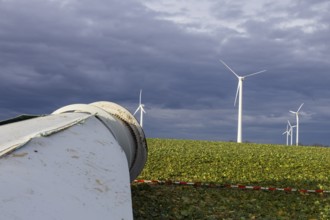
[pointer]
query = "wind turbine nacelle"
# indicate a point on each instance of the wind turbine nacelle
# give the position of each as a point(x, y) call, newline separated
point(76, 163)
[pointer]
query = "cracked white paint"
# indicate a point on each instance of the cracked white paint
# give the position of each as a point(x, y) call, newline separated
point(14, 135)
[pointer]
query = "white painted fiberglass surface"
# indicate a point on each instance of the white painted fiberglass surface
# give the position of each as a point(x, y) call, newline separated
point(77, 173)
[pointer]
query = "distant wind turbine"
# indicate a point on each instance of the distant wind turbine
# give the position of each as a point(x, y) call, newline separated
point(287, 132)
point(291, 131)
point(239, 93)
point(297, 123)
point(141, 108)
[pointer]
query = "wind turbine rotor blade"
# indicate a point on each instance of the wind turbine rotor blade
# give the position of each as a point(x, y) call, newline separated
point(137, 110)
point(293, 112)
point(300, 107)
point(289, 124)
point(140, 96)
point(229, 68)
point(252, 74)
point(142, 109)
point(238, 88)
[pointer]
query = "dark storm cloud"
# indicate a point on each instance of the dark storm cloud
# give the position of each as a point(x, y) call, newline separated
point(82, 48)
point(54, 53)
point(297, 63)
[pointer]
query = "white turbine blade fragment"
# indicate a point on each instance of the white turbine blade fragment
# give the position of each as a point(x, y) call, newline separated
point(289, 124)
point(300, 107)
point(229, 68)
point(238, 88)
point(293, 112)
point(252, 74)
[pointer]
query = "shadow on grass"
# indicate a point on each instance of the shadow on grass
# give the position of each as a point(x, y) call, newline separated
point(188, 202)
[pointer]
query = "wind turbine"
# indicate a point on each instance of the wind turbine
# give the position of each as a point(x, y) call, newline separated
point(141, 108)
point(239, 93)
point(287, 132)
point(297, 123)
point(291, 131)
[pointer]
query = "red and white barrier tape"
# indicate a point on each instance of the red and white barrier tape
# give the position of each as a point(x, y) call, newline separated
point(212, 185)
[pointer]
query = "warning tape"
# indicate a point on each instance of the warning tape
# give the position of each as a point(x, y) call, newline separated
point(213, 185)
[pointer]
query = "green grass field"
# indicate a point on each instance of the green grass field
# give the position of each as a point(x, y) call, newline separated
point(230, 163)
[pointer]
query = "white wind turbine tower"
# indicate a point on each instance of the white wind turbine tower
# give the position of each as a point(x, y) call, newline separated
point(141, 108)
point(239, 93)
point(297, 123)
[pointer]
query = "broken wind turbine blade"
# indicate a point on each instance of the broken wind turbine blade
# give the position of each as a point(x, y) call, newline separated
point(76, 163)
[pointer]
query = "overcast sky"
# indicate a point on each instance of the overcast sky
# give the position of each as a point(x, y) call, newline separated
point(59, 52)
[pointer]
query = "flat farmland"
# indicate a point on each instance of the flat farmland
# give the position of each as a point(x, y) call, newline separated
point(224, 163)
